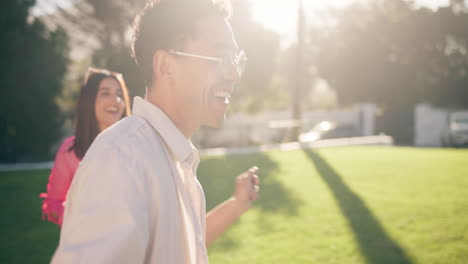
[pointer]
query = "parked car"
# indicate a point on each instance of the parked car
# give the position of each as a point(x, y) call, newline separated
point(457, 130)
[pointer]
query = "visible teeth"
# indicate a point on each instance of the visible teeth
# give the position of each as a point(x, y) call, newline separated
point(113, 109)
point(222, 95)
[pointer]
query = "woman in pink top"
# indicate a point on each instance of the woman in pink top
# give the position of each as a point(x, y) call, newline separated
point(103, 101)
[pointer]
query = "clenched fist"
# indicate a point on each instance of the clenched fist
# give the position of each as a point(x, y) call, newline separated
point(247, 188)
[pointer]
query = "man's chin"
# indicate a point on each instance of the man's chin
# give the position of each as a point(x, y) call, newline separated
point(216, 123)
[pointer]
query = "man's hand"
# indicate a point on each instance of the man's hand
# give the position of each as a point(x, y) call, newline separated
point(225, 214)
point(247, 188)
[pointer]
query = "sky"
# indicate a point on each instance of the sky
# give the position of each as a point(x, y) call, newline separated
point(49, 6)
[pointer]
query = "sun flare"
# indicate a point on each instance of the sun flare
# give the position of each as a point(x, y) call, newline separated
point(281, 15)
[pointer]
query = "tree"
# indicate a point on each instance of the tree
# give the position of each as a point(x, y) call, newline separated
point(395, 55)
point(256, 92)
point(116, 16)
point(31, 70)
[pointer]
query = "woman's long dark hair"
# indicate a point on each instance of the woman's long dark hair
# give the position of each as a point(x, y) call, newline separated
point(87, 127)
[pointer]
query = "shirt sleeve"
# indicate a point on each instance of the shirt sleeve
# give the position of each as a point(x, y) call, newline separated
point(106, 218)
point(59, 182)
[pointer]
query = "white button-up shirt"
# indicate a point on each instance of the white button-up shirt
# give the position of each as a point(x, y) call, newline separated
point(135, 197)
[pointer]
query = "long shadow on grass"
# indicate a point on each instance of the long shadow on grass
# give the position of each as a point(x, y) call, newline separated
point(374, 242)
point(217, 175)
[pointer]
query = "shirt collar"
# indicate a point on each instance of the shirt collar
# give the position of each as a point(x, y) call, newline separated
point(180, 146)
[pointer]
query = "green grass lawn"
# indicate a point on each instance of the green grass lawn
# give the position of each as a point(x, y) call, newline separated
point(337, 205)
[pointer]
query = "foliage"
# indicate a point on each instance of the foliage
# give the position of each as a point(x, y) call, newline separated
point(114, 53)
point(256, 91)
point(31, 70)
point(395, 55)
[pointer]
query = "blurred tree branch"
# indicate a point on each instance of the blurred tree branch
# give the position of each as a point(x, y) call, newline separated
point(395, 55)
point(32, 68)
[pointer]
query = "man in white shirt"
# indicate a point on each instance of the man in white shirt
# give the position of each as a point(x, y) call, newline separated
point(135, 197)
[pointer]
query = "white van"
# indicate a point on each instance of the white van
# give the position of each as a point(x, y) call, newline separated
point(457, 132)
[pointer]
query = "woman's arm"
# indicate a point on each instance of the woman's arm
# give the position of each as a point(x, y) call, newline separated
point(60, 179)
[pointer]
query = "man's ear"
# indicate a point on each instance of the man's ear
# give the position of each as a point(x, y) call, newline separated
point(163, 64)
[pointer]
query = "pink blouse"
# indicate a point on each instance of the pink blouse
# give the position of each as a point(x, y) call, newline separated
point(65, 166)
